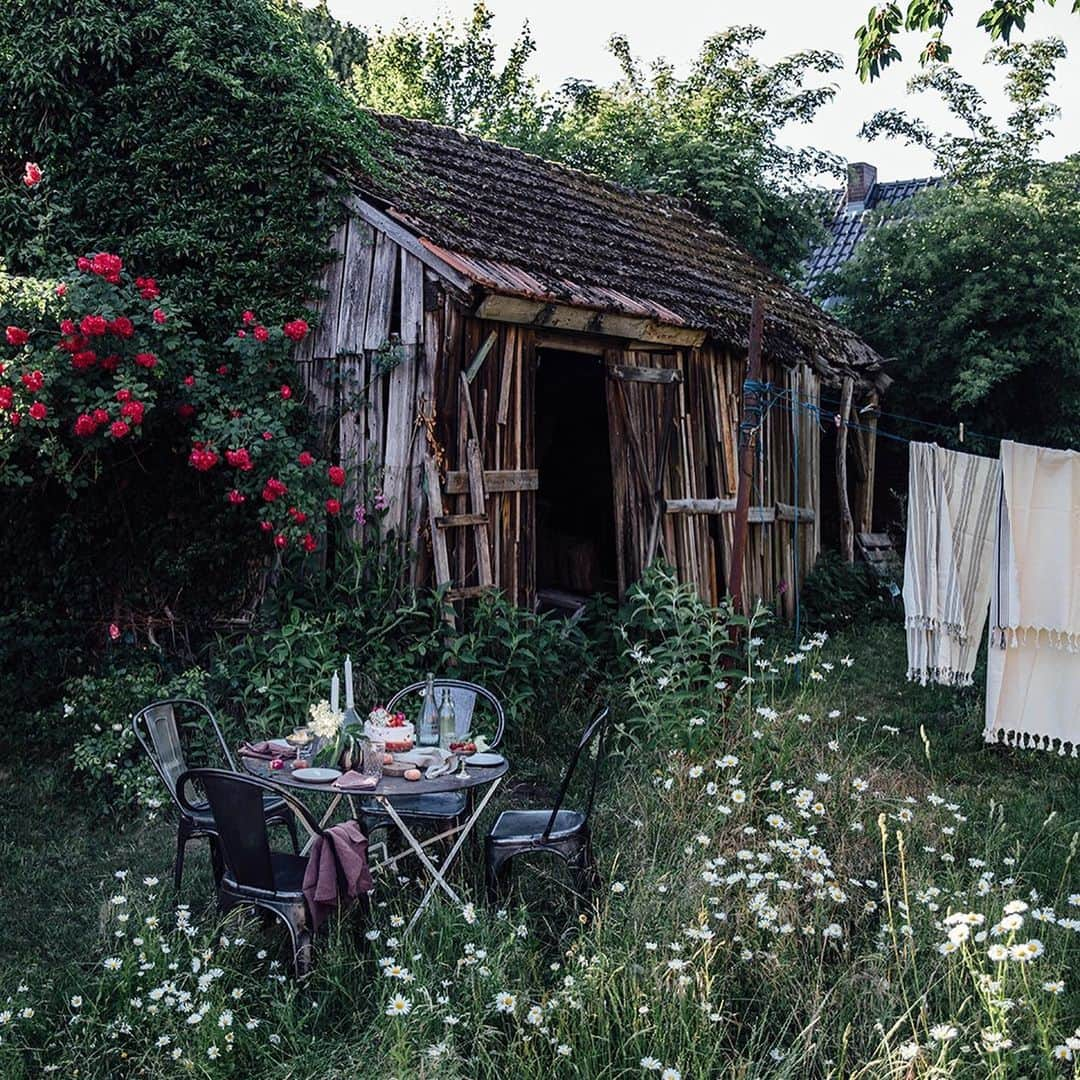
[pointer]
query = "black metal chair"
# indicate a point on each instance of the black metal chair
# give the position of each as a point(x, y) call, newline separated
point(158, 732)
point(439, 810)
point(561, 832)
point(253, 874)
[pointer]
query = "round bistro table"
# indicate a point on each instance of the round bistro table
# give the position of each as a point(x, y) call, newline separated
point(384, 792)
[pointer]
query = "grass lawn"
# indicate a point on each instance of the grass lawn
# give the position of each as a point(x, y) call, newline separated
point(776, 903)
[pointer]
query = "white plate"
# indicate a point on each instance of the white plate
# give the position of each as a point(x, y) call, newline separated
point(316, 776)
point(485, 759)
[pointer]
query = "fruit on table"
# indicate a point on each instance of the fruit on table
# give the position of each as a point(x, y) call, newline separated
point(463, 747)
point(412, 774)
point(398, 747)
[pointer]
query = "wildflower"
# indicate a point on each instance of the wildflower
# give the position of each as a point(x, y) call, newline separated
point(535, 1016)
point(694, 771)
point(213, 1052)
point(997, 953)
point(468, 913)
point(943, 1032)
point(399, 1006)
point(651, 1064)
point(618, 887)
point(505, 1002)
point(833, 931)
point(563, 1050)
point(671, 1074)
point(113, 963)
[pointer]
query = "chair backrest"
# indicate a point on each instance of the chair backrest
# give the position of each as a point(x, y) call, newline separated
point(236, 801)
point(464, 695)
point(158, 731)
point(598, 724)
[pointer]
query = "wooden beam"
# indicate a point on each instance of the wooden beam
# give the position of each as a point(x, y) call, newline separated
point(410, 243)
point(553, 316)
point(456, 521)
point(793, 513)
point(495, 481)
point(751, 413)
point(627, 373)
point(847, 525)
point(468, 592)
point(700, 506)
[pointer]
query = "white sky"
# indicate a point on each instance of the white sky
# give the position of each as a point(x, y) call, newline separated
point(571, 36)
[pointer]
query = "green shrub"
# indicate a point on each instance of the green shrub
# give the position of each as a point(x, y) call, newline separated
point(837, 593)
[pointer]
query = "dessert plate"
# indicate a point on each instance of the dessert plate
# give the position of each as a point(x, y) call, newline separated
point(316, 776)
point(485, 759)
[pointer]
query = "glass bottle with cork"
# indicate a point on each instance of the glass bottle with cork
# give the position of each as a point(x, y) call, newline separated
point(427, 727)
point(447, 719)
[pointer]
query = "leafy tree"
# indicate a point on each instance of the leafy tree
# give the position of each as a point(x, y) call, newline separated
point(877, 36)
point(710, 137)
point(974, 289)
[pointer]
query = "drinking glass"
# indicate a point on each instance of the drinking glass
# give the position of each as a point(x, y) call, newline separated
point(373, 758)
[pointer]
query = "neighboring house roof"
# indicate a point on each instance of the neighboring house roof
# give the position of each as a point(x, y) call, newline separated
point(518, 225)
point(848, 220)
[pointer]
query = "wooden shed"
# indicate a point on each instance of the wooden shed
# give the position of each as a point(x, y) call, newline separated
point(544, 374)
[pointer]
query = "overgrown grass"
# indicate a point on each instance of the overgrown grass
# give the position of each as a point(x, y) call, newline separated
point(776, 903)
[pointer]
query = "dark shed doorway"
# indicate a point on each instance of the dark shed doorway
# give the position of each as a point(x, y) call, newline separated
point(575, 529)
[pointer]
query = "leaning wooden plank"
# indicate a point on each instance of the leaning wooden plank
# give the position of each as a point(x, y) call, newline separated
point(628, 373)
point(509, 357)
point(479, 506)
point(324, 341)
point(481, 356)
point(435, 511)
point(355, 284)
point(400, 423)
point(381, 296)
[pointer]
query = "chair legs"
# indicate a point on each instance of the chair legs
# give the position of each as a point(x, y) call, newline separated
point(182, 836)
point(577, 853)
point(293, 915)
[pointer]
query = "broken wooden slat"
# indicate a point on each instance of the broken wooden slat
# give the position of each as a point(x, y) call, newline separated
point(355, 284)
point(435, 511)
point(481, 356)
point(381, 296)
point(509, 356)
point(496, 481)
point(627, 373)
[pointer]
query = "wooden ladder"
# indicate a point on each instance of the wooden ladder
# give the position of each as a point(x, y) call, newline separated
point(477, 520)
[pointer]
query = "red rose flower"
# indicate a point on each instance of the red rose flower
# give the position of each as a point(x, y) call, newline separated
point(240, 459)
point(133, 410)
point(305, 459)
point(123, 395)
point(67, 327)
point(185, 412)
point(38, 411)
point(280, 541)
point(336, 475)
point(119, 430)
point(110, 362)
point(223, 370)
point(309, 543)
point(100, 416)
point(273, 489)
point(267, 436)
point(247, 318)
point(17, 336)
point(122, 326)
point(15, 419)
point(148, 288)
point(7, 396)
point(160, 317)
point(82, 263)
point(107, 266)
point(266, 526)
point(333, 507)
point(295, 330)
point(261, 333)
point(84, 425)
point(94, 325)
point(145, 359)
point(61, 289)
point(202, 460)
point(286, 392)
point(235, 414)
point(241, 333)
point(236, 497)
point(83, 360)
point(297, 515)
point(33, 381)
point(32, 174)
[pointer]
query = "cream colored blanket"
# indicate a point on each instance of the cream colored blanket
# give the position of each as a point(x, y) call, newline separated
point(947, 561)
point(1033, 674)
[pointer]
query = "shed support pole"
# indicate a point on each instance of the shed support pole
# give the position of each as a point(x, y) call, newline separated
point(847, 527)
point(748, 434)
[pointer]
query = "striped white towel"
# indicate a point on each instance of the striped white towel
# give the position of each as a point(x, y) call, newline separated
point(948, 560)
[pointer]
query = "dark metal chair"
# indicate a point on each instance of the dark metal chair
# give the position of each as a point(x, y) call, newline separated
point(561, 832)
point(440, 810)
point(253, 875)
point(158, 732)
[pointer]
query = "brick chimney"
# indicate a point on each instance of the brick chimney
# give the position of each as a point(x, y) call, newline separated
point(860, 179)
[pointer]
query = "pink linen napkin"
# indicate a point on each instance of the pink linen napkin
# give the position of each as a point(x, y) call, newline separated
point(267, 749)
point(338, 859)
point(354, 781)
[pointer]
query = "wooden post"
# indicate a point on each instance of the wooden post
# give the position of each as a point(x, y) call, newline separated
point(747, 438)
point(847, 527)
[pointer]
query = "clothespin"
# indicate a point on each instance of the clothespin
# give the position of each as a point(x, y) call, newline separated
point(961, 431)
point(836, 420)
